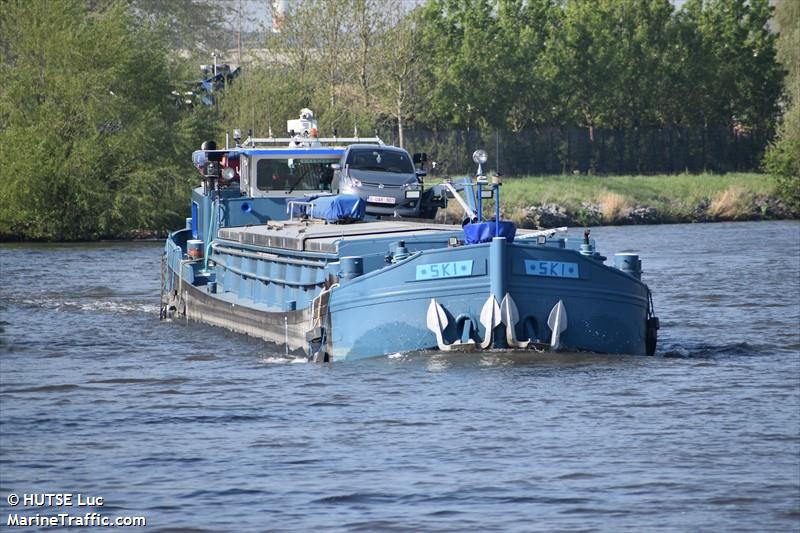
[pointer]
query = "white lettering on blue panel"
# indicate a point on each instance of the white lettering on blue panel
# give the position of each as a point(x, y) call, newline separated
point(452, 269)
point(552, 269)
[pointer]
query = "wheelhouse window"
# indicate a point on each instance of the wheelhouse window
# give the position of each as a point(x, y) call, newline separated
point(380, 160)
point(294, 174)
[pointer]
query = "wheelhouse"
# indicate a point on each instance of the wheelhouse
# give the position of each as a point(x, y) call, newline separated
point(281, 172)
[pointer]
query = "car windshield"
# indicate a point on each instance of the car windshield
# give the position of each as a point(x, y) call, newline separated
point(295, 174)
point(380, 160)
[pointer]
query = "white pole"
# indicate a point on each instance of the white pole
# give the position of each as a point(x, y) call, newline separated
point(286, 333)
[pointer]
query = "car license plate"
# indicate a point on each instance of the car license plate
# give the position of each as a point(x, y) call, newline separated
point(381, 199)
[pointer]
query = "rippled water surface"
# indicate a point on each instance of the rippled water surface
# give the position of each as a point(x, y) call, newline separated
point(197, 428)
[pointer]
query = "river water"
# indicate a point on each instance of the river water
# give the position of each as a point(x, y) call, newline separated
point(196, 428)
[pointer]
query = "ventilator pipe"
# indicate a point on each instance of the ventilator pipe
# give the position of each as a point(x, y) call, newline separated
point(586, 247)
point(629, 263)
point(350, 267)
point(400, 252)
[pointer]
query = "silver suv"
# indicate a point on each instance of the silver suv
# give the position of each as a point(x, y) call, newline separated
point(384, 176)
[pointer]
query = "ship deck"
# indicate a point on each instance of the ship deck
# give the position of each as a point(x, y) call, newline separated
point(314, 236)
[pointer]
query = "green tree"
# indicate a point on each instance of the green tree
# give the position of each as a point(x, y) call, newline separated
point(400, 69)
point(783, 157)
point(189, 25)
point(263, 98)
point(370, 20)
point(459, 40)
point(86, 115)
point(483, 62)
point(312, 53)
point(606, 58)
point(738, 81)
point(525, 95)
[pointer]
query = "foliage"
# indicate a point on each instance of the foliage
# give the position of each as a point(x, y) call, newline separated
point(594, 86)
point(610, 54)
point(600, 63)
point(483, 62)
point(461, 43)
point(87, 122)
point(324, 58)
point(739, 79)
point(399, 75)
point(191, 25)
point(783, 157)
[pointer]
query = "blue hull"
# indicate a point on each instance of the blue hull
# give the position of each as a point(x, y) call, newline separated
point(385, 312)
point(302, 296)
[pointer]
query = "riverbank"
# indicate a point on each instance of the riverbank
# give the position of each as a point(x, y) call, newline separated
point(552, 201)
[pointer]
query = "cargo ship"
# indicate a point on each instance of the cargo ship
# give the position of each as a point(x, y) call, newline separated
point(326, 248)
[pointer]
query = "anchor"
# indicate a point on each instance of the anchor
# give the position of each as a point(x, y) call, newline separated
point(492, 316)
point(437, 321)
point(557, 321)
point(490, 319)
point(509, 315)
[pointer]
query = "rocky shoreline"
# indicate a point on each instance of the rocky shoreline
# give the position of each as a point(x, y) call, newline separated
point(551, 215)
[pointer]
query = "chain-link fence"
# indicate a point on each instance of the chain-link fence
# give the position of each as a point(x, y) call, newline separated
point(561, 150)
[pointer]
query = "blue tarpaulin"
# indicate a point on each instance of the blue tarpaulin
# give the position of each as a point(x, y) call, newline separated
point(485, 231)
point(339, 208)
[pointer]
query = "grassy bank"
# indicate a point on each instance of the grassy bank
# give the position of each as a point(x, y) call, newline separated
point(591, 200)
